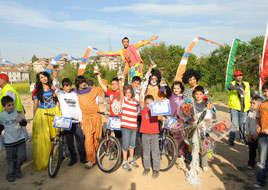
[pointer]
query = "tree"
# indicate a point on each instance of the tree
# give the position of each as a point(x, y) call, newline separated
point(34, 58)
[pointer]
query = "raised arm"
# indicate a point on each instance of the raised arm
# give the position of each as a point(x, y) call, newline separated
point(120, 87)
point(143, 43)
point(115, 53)
point(103, 86)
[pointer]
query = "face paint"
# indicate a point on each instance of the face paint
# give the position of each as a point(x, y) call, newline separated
point(153, 82)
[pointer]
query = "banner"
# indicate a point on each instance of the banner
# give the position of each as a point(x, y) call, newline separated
point(264, 64)
point(230, 65)
point(54, 61)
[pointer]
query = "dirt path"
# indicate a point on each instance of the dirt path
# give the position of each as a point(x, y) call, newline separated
point(228, 171)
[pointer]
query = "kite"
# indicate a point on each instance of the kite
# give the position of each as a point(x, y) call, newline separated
point(5, 61)
point(184, 59)
point(54, 61)
point(83, 63)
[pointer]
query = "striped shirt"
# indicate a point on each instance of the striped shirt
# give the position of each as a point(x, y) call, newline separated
point(129, 113)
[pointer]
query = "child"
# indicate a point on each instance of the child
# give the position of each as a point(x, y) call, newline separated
point(251, 131)
point(199, 106)
point(262, 129)
point(114, 96)
point(128, 124)
point(175, 100)
point(150, 134)
point(69, 107)
point(14, 138)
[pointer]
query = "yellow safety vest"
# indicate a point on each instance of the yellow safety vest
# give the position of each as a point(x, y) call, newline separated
point(17, 105)
point(234, 101)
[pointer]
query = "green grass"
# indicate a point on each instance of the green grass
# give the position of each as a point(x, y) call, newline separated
point(218, 97)
point(22, 88)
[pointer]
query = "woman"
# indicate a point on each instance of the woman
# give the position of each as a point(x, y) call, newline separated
point(91, 120)
point(44, 102)
point(191, 77)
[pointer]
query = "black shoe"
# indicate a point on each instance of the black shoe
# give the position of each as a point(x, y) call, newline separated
point(19, 174)
point(72, 162)
point(231, 143)
point(145, 172)
point(155, 174)
point(11, 178)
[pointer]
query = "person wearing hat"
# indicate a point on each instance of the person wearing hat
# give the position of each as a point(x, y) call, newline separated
point(8, 90)
point(239, 103)
point(131, 57)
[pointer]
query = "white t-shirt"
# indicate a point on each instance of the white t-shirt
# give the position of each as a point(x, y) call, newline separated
point(69, 104)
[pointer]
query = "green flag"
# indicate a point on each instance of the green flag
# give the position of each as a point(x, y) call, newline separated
point(230, 64)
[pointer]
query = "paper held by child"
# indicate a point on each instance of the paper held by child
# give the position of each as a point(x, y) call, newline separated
point(62, 122)
point(160, 108)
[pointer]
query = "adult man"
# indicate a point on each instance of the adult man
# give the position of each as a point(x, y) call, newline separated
point(131, 57)
point(239, 102)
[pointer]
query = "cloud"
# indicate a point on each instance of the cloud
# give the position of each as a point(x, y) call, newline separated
point(16, 14)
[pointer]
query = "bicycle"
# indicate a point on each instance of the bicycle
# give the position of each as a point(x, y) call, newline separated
point(108, 155)
point(58, 149)
point(167, 145)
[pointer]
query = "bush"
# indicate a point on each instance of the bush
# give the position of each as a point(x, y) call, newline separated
point(22, 88)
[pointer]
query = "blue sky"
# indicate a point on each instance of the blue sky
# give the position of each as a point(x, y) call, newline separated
point(47, 28)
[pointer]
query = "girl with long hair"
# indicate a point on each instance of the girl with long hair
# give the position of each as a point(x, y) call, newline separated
point(43, 132)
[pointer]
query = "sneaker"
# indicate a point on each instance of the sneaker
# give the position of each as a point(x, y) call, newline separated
point(11, 178)
point(258, 186)
point(231, 143)
point(133, 164)
point(145, 172)
point(155, 174)
point(19, 174)
point(250, 167)
point(72, 162)
point(205, 169)
point(89, 165)
point(126, 167)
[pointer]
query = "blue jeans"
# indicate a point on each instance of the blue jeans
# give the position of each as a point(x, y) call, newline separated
point(129, 138)
point(238, 117)
point(263, 148)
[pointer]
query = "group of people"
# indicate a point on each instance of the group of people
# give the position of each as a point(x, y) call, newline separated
point(131, 102)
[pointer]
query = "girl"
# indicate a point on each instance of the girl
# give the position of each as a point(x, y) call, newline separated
point(128, 124)
point(91, 120)
point(44, 102)
point(175, 100)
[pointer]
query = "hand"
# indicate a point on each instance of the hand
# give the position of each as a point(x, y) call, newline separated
point(258, 130)
point(101, 53)
point(55, 73)
point(80, 123)
point(19, 118)
point(210, 106)
point(265, 131)
point(195, 117)
point(154, 37)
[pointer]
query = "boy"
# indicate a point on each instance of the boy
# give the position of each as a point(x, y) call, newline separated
point(150, 134)
point(13, 123)
point(114, 97)
point(69, 107)
point(199, 106)
point(262, 129)
point(251, 131)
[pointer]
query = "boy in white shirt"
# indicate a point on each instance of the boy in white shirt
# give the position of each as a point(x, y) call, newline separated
point(69, 107)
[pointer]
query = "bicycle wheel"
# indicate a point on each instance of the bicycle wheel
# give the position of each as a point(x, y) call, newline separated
point(55, 159)
point(168, 152)
point(108, 155)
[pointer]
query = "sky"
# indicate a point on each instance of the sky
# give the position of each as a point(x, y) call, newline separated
point(46, 28)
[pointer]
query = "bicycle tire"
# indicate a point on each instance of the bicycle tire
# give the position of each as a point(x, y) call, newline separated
point(114, 145)
point(168, 152)
point(56, 155)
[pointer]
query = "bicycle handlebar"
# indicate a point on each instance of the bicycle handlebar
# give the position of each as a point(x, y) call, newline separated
point(53, 115)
